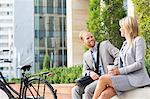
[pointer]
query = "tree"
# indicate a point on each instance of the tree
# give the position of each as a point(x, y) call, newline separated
point(143, 15)
point(46, 62)
point(103, 20)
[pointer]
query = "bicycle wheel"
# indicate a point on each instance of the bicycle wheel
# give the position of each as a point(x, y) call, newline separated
point(5, 94)
point(39, 89)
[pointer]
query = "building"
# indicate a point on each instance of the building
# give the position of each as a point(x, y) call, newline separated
point(77, 14)
point(50, 32)
point(7, 50)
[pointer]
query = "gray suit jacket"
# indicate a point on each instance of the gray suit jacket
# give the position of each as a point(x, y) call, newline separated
point(134, 63)
point(107, 54)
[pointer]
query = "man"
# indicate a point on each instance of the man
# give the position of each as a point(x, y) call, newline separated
point(107, 55)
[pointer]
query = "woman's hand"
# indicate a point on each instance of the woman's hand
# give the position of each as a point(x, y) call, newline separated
point(114, 72)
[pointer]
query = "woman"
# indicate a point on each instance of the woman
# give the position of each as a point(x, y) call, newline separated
point(131, 72)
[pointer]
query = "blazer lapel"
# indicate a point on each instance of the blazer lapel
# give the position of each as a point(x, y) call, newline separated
point(126, 50)
point(90, 59)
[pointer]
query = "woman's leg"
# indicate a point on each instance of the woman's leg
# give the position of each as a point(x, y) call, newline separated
point(107, 93)
point(103, 82)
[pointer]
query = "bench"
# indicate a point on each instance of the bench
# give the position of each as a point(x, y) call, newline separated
point(140, 93)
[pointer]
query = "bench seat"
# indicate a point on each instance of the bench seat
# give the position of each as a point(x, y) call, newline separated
point(140, 93)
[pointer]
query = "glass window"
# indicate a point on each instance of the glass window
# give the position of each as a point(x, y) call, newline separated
point(42, 38)
point(51, 24)
point(36, 34)
point(4, 44)
point(3, 36)
point(59, 3)
point(6, 20)
point(42, 23)
point(50, 10)
point(36, 21)
point(40, 2)
point(50, 3)
point(38, 9)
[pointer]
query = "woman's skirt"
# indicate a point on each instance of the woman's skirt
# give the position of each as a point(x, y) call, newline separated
point(121, 84)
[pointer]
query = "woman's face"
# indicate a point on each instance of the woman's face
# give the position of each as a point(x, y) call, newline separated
point(122, 30)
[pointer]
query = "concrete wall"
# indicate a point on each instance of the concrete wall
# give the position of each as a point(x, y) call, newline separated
point(77, 13)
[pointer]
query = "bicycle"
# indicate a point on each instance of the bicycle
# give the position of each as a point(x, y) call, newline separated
point(31, 86)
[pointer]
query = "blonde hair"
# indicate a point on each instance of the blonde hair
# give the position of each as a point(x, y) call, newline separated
point(130, 24)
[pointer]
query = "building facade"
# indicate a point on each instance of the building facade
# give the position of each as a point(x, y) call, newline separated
point(77, 14)
point(7, 50)
point(50, 32)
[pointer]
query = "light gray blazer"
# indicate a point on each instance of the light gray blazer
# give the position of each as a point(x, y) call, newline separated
point(107, 54)
point(134, 63)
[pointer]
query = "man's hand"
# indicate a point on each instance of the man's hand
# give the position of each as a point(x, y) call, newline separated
point(94, 75)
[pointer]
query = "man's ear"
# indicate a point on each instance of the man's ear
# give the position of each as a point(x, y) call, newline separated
point(81, 39)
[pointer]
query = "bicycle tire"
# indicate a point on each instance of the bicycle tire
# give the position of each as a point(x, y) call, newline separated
point(5, 93)
point(35, 90)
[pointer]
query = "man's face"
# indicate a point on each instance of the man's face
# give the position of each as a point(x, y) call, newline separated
point(89, 40)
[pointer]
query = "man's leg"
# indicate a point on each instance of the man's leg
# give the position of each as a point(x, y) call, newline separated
point(77, 92)
point(89, 90)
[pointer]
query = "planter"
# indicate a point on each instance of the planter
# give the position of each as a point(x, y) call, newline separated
point(63, 90)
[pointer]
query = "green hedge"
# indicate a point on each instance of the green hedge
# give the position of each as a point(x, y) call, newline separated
point(147, 64)
point(64, 74)
point(61, 75)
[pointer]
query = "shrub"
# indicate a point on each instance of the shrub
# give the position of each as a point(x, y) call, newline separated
point(15, 80)
point(147, 63)
point(143, 14)
point(61, 75)
point(64, 74)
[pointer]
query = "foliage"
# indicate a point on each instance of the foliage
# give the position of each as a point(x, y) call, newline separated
point(64, 74)
point(46, 62)
point(61, 75)
point(103, 20)
point(147, 63)
point(143, 15)
point(15, 80)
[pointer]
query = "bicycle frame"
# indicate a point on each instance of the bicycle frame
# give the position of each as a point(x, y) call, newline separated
point(4, 84)
point(24, 83)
